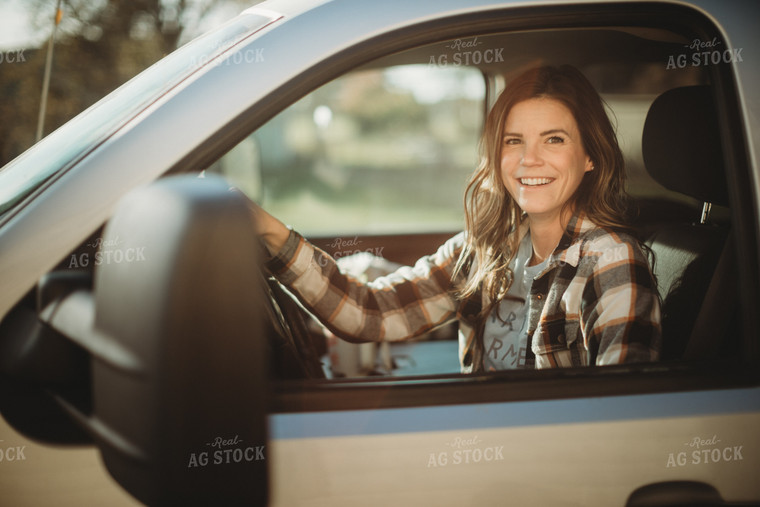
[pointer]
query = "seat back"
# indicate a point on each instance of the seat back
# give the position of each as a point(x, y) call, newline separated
point(681, 149)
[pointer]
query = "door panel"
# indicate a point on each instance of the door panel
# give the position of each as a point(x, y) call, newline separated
point(588, 451)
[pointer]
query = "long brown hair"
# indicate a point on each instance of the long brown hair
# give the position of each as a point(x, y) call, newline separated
point(493, 218)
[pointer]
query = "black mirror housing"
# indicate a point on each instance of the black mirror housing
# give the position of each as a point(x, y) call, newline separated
point(180, 402)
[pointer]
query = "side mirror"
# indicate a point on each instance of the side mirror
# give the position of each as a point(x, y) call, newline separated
point(179, 399)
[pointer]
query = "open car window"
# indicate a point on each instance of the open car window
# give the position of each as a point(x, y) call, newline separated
point(372, 168)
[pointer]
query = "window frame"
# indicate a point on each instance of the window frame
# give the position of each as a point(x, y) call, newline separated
point(357, 394)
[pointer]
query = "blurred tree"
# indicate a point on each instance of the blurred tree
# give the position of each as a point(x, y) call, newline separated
point(100, 45)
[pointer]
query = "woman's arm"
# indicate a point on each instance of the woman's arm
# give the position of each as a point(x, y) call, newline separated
point(403, 304)
point(273, 232)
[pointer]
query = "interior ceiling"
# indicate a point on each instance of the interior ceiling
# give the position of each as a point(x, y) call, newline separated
point(624, 52)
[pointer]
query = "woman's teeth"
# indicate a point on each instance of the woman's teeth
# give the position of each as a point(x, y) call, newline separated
point(531, 182)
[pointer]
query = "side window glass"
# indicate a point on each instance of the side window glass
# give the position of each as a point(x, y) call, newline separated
point(375, 151)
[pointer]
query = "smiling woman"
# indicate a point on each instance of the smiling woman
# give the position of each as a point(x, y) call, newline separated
point(542, 168)
point(531, 280)
point(544, 210)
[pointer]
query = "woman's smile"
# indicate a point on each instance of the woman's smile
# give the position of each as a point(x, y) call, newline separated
point(542, 157)
point(535, 182)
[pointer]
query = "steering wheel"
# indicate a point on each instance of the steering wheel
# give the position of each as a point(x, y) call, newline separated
point(293, 348)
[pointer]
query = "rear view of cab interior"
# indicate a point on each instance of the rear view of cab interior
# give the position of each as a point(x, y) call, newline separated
point(389, 185)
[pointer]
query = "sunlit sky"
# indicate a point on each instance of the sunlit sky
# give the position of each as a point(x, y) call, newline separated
point(15, 27)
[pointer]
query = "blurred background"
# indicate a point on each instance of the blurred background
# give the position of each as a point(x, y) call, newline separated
point(99, 44)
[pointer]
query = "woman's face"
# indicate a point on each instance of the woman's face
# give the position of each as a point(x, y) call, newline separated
point(542, 157)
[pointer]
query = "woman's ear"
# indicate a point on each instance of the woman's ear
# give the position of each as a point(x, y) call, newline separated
point(589, 165)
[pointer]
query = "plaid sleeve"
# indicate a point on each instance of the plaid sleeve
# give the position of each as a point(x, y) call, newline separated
point(620, 314)
point(401, 305)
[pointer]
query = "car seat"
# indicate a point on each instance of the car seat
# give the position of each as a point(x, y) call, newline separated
point(692, 260)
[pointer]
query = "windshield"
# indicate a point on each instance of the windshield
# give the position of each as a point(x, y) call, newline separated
point(65, 146)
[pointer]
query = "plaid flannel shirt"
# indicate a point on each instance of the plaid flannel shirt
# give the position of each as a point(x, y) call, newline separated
point(595, 302)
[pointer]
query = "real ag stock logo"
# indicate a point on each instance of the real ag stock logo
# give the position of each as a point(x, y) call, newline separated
point(466, 52)
point(11, 453)
point(226, 451)
point(704, 53)
point(703, 451)
point(465, 451)
point(12, 56)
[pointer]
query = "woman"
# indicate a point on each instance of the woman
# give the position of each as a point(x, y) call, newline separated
point(544, 274)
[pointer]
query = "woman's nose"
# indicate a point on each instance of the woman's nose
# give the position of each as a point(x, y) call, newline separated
point(531, 154)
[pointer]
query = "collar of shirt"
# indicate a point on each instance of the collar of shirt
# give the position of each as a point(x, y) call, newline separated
point(568, 250)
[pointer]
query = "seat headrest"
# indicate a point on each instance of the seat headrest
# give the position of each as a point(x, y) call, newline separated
point(681, 144)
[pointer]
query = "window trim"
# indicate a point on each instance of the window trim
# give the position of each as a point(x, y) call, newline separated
point(293, 396)
point(534, 385)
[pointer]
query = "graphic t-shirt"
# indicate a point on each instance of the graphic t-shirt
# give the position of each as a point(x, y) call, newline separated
point(505, 336)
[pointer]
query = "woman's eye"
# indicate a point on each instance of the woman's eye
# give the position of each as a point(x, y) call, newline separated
point(512, 140)
point(555, 140)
